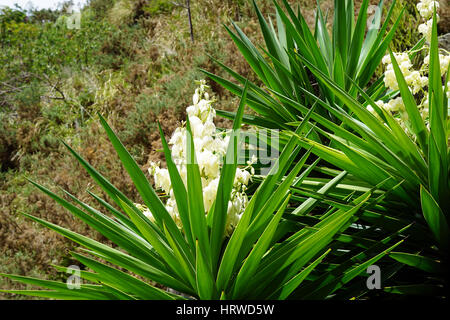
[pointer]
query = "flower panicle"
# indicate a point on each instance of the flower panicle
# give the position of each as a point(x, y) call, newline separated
point(210, 147)
point(417, 80)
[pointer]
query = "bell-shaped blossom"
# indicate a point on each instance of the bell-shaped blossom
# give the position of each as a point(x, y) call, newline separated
point(210, 148)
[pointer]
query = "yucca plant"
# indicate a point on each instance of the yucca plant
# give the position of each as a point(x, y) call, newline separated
point(269, 255)
point(349, 56)
point(374, 150)
point(371, 146)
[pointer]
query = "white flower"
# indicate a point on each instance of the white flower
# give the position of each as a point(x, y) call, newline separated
point(404, 66)
point(426, 8)
point(178, 142)
point(195, 97)
point(413, 78)
point(425, 29)
point(416, 81)
point(444, 61)
point(210, 147)
point(252, 160)
point(209, 193)
point(192, 110)
point(242, 177)
point(217, 146)
point(373, 111)
point(395, 105)
point(209, 128)
point(204, 106)
point(196, 126)
point(209, 163)
point(225, 143)
point(423, 81)
point(145, 211)
point(380, 104)
point(178, 136)
point(162, 179)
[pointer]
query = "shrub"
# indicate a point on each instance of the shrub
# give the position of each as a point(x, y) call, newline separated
point(191, 250)
point(393, 132)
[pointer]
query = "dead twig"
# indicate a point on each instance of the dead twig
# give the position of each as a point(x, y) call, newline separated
point(187, 6)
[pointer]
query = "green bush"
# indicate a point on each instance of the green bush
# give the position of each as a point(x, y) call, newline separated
point(267, 256)
point(158, 7)
point(407, 150)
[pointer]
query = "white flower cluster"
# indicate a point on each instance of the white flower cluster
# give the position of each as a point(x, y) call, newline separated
point(426, 10)
point(412, 77)
point(416, 80)
point(210, 148)
point(444, 61)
